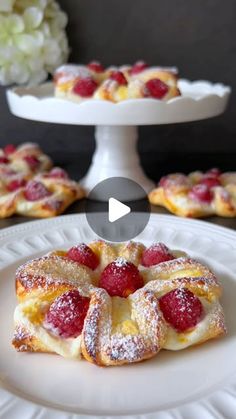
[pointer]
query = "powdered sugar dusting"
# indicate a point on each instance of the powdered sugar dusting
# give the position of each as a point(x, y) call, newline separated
point(148, 340)
point(175, 267)
point(120, 262)
point(128, 348)
point(159, 246)
point(52, 271)
point(185, 305)
point(174, 180)
point(68, 72)
point(199, 285)
point(96, 327)
point(21, 339)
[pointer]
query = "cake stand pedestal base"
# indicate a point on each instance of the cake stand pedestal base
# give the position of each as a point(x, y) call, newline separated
point(116, 156)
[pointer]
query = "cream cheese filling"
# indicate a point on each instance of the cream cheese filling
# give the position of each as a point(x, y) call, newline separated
point(68, 348)
point(176, 341)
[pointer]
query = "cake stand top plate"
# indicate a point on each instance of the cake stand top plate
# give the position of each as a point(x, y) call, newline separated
point(199, 100)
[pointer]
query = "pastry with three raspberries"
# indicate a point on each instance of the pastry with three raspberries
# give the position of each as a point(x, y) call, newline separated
point(114, 304)
point(199, 194)
point(93, 81)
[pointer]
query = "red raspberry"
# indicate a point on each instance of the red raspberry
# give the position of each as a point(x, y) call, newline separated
point(120, 278)
point(138, 67)
point(181, 308)
point(119, 77)
point(96, 67)
point(155, 254)
point(66, 315)
point(32, 161)
point(163, 181)
point(16, 184)
point(9, 149)
point(210, 181)
point(57, 172)
point(4, 160)
point(201, 193)
point(214, 172)
point(85, 87)
point(36, 190)
point(84, 255)
point(155, 88)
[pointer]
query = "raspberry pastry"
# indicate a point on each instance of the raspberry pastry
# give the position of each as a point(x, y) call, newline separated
point(93, 81)
point(114, 304)
point(26, 159)
point(197, 194)
point(154, 82)
point(66, 77)
point(78, 82)
point(48, 195)
point(188, 294)
point(157, 84)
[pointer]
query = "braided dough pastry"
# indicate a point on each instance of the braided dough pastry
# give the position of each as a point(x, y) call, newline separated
point(114, 304)
point(79, 82)
point(197, 194)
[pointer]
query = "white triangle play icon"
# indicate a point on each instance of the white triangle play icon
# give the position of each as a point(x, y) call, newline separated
point(116, 210)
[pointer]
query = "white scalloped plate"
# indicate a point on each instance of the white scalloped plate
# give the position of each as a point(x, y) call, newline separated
point(199, 100)
point(199, 382)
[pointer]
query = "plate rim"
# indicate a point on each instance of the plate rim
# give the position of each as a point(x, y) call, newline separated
point(7, 231)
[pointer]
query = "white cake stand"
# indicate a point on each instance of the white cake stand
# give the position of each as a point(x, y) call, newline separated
point(116, 131)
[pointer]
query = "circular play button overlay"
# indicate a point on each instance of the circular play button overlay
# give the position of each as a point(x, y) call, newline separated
point(117, 209)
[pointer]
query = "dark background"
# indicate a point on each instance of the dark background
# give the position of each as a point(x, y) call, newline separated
point(199, 37)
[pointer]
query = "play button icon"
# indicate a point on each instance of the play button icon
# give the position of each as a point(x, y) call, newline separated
point(115, 211)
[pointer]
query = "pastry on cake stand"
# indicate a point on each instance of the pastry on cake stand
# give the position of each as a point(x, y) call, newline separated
point(116, 131)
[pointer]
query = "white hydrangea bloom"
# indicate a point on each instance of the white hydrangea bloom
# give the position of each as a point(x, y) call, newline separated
point(33, 41)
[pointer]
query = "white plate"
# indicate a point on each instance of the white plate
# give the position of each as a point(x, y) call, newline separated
point(199, 100)
point(197, 383)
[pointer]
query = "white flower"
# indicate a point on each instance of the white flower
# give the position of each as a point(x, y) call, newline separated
point(6, 5)
point(33, 41)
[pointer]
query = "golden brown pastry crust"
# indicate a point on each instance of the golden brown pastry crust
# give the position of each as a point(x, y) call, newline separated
point(8, 202)
point(23, 341)
point(175, 196)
